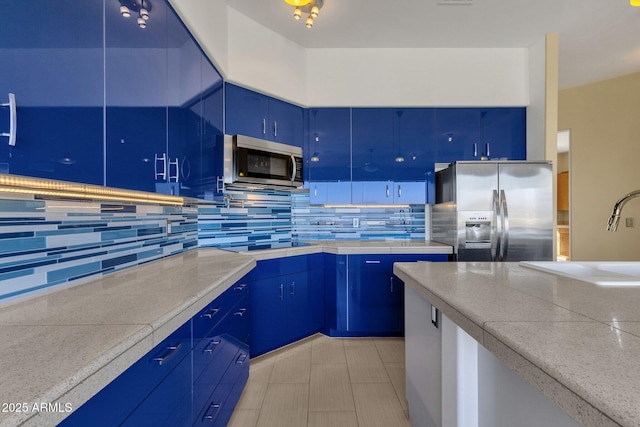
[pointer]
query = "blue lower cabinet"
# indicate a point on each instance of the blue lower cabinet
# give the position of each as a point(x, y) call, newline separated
point(172, 384)
point(286, 307)
point(369, 299)
point(121, 397)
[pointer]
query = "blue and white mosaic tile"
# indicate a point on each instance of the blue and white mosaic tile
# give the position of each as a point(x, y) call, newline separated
point(356, 223)
point(44, 243)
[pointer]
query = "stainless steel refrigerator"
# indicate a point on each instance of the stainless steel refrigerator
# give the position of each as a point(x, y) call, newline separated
point(495, 210)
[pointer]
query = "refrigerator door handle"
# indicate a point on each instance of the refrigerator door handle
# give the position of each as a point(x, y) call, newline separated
point(504, 247)
point(495, 231)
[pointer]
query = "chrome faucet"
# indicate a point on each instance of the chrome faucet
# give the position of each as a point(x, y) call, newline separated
point(614, 219)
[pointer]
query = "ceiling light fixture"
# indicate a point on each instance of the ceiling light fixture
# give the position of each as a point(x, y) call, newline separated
point(312, 7)
point(141, 7)
point(634, 3)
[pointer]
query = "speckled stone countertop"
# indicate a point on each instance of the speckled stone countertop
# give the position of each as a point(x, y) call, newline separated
point(342, 247)
point(576, 342)
point(62, 347)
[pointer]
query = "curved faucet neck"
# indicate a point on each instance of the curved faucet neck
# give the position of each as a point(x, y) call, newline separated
point(614, 219)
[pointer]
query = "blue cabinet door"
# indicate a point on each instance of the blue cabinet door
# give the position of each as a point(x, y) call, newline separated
point(328, 147)
point(286, 123)
point(58, 82)
point(246, 112)
point(414, 128)
point(253, 114)
point(268, 315)
point(323, 192)
point(504, 133)
point(373, 144)
point(375, 304)
point(457, 134)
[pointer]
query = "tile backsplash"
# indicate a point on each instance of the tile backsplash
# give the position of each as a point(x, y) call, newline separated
point(356, 223)
point(44, 243)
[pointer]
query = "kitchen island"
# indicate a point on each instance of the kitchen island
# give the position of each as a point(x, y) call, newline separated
point(575, 342)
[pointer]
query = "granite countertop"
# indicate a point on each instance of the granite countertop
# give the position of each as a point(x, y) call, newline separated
point(576, 342)
point(342, 247)
point(62, 347)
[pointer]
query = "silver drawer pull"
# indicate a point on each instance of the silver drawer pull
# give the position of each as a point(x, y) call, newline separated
point(167, 353)
point(240, 287)
point(372, 262)
point(212, 312)
point(212, 346)
point(212, 411)
point(242, 357)
point(240, 312)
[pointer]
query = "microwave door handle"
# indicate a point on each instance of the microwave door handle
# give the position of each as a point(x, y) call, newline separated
point(293, 168)
point(495, 236)
point(505, 226)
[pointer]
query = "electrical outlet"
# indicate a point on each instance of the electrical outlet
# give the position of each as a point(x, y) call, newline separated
point(356, 222)
point(629, 222)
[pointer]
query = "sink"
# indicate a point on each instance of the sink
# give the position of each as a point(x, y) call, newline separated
point(602, 273)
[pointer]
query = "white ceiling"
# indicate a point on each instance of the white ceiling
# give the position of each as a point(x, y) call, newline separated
point(599, 39)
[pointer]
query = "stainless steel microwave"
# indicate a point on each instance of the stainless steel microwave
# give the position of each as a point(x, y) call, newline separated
point(257, 161)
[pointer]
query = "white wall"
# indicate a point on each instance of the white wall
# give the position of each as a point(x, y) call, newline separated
point(536, 110)
point(251, 55)
point(263, 60)
point(417, 77)
point(207, 21)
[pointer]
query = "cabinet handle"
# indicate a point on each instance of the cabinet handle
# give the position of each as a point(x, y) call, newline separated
point(275, 129)
point(264, 126)
point(12, 119)
point(399, 190)
point(240, 312)
point(161, 171)
point(242, 357)
point(212, 411)
point(212, 346)
point(240, 287)
point(281, 291)
point(488, 147)
point(167, 353)
point(212, 312)
point(387, 190)
point(475, 150)
point(315, 191)
point(372, 262)
point(391, 284)
point(434, 316)
point(293, 288)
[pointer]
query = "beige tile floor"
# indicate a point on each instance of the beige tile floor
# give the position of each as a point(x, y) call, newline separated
point(327, 382)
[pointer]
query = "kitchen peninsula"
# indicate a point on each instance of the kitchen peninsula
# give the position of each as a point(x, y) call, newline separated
point(575, 342)
point(65, 345)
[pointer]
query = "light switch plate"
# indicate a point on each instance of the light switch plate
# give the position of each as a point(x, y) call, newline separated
point(629, 222)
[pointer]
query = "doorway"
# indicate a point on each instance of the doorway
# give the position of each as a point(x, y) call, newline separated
point(563, 197)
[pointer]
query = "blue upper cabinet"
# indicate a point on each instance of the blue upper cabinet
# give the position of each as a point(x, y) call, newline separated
point(391, 146)
point(328, 148)
point(479, 133)
point(373, 144)
point(56, 71)
point(101, 100)
point(456, 134)
point(503, 132)
point(253, 114)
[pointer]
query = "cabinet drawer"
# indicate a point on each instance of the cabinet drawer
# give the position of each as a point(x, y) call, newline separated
point(160, 405)
point(218, 408)
point(210, 316)
point(120, 397)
